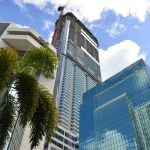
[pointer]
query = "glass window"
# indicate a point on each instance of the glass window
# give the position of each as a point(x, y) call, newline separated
point(3, 27)
point(71, 32)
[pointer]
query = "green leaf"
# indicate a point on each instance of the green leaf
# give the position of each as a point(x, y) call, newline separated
point(32, 104)
point(44, 120)
point(2, 96)
point(41, 59)
point(8, 64)
point(27, 92)
point(6, 120)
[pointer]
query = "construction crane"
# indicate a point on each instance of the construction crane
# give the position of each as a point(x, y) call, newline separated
point(58, 24)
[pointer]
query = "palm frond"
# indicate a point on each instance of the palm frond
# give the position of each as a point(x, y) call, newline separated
point(27, 92)
point(2, 96)
point(6, 120)
point(8, 64)
point(41, 59)
point(44, 120)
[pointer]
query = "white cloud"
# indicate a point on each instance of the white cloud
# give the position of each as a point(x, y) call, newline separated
point(22, 26)
point(38, 3)
point(92, 10)
point(47, 24)
point(119, 56)
point(20, 3)
point(94, 25)
point(50, 11)
point(50, 37)
point(116, 29)
point(137, 27)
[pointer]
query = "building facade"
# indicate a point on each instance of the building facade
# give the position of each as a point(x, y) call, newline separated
point(78, 71)
point(23, 39)
point(115, 114)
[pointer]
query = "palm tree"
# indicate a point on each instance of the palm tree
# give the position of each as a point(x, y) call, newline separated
point(33, 103)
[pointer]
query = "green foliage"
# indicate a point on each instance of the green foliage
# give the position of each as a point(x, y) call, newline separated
point(6, 120)
point(44, 120)
point(27, 92)
point(41, 59)
point(33, 104)
point(8, 64)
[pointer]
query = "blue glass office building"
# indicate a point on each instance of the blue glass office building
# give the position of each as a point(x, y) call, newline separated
point(115, 115)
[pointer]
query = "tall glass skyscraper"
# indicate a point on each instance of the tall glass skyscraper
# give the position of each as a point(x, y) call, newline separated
point(115, 114)
point(78, 71)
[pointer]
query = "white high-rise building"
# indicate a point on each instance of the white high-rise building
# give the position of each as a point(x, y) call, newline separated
point(78, 71)
point(23, 39)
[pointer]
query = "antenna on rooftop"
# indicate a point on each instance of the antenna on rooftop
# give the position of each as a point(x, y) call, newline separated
point(58, 24)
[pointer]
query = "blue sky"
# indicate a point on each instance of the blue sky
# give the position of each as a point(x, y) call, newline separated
point(121, 27)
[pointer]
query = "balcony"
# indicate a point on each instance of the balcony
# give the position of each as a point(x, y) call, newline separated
point(23, 39)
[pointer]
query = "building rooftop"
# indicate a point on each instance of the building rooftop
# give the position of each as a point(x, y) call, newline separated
point(123, 74)
point(69, 14)
point(20, 37)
